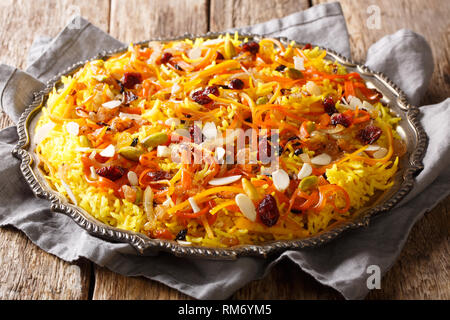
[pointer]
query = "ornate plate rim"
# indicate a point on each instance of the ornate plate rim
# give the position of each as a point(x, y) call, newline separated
point(144, 244)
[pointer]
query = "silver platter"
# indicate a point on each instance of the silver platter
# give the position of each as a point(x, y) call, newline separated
point(410, 165)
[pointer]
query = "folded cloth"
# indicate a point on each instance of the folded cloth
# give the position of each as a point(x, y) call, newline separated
point(341, 264)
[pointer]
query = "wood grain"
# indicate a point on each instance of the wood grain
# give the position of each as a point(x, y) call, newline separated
point(423, 268)
point(141, 19)
point(227, 14)
point(27, 272)
point(428, 18)
point(113, 286)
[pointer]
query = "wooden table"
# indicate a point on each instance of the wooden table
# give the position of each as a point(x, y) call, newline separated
point(26, 272)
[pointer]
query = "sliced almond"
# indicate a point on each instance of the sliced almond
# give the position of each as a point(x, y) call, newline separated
point(131, 116)
point(133, 178)
point(355, 102)
point(195, 53)
point(194, 205)
point(304, 157)
point(369, 107)
point(299, 63)
point(305, 171)
point(108, 152)
point(210, 130)
point(112, 104)
point(321, 160)
point(313, 88)
point(382, 152)
point(372, 147)
point(246, 206)
point(172, 121)
point(280, 180)
point(224, 180)
point(73, 128)
point(163, 152)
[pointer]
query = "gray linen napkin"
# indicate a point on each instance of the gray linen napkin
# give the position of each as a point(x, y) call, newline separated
point(341, 264)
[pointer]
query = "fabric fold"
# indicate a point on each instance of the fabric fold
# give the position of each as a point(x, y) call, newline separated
point(398, 55)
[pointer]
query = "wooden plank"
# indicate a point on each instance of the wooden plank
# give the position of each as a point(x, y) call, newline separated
point(422, 270)
point(430, 19)
point(141, 19)
point(239, 13)
point(134, 21)
point(113, 286)
point(23, 20)
point(26, 272)
point(286, 281)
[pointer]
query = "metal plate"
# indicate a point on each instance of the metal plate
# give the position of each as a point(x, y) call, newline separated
point(410, 165)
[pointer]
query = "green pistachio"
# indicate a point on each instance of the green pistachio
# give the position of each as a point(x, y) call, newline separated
point(155, 139)
point(308, 183)
point(84, 142)
point(262, 100)
point(130, 153)
point(294, 73)
point(138, 196)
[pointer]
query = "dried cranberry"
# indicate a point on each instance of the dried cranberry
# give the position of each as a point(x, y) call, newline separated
point(236, 84)
point(166, 56)
point(201, 96)
point(268, 211)
point(130, 79)
point(251, 46)
point(158, 175)
point(112, 173)
point(340, 118)
point(280, 68)
point(369, 134)
point(329, 106)
point(212, 89)
point(307, 46)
